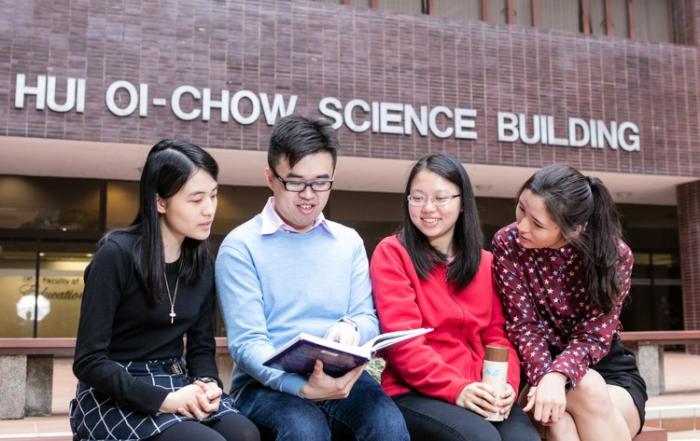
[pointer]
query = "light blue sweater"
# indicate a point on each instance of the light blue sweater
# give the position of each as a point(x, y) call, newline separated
point(273, 286)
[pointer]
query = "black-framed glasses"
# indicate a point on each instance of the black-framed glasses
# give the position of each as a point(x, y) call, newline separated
point(300, 186)
point(421, 200)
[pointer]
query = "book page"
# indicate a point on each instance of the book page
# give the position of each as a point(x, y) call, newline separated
point(390, 338)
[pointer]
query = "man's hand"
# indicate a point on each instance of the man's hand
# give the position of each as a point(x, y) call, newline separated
point(344, 333)
point(320, 386)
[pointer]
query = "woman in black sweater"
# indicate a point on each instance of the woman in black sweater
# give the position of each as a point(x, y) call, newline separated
point(149, 285)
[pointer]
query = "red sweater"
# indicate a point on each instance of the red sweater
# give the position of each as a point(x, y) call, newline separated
point(442, 362)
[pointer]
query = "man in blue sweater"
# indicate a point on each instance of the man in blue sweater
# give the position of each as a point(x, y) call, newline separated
point(290, 270)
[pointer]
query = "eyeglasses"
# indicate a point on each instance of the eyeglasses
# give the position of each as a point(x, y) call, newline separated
point(420, 200)
point(300, 186)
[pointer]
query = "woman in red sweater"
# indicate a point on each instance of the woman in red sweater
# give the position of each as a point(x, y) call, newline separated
point(435, 274)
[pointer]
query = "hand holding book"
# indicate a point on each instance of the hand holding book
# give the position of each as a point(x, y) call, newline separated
point(299, 355)
point(324, 387)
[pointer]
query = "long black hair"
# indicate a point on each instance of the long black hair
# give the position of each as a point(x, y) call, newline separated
point(588, 218)
point(170, 163)
point(467, 239)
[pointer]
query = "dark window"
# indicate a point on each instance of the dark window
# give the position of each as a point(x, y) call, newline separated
point(653, 21)
point(459, 9)
point(498, 11)
point(53, 204)
point(50, 305)
point(620, 11)
point(523, 12)
point(560, 15)
point(410, 7)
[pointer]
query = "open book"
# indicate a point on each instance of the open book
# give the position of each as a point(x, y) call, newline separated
point(300, 353)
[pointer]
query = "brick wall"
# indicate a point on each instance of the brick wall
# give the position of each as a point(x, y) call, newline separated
point(689, 235)
point(686, 19)
point(316, 50)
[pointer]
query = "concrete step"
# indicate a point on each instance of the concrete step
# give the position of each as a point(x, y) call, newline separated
point(674, 418)
point(652, 434)
point(50, 436)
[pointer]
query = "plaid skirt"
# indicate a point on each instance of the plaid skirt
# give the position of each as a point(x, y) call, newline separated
point(95, 416)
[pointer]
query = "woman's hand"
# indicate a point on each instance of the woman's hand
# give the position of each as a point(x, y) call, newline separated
point(213, 394)
point(207, 402)
point(506, 400)
point(183, 399)
point(548, 399)
point(478, 397)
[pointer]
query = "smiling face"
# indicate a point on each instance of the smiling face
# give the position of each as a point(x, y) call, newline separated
point(437, 223)
point(536, 228)
point(300, 209)
point(190, 211)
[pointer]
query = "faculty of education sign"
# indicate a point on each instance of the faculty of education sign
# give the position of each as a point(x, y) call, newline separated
point(245, 107)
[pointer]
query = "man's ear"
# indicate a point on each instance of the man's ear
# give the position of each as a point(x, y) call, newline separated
point(161, 204)
point(269, 178)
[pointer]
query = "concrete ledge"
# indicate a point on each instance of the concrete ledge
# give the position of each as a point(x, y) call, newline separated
point(57, 436)
point(39, 380)
point(673, 412)
point(648, 434)
point(13, 371)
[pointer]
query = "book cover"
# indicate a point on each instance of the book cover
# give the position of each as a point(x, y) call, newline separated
point(300, 353)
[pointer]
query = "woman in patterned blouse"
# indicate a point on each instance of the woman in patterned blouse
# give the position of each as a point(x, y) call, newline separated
point(563, 273)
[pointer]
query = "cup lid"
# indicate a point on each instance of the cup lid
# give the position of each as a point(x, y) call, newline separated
point(496, 353)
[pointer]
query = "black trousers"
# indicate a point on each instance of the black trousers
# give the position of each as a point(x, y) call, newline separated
point(430, 419)
point(231, 427)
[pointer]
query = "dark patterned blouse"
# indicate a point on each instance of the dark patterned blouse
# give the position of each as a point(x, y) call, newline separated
point(547, 310)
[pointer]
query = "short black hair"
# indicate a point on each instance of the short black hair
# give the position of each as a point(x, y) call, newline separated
point(296, 136)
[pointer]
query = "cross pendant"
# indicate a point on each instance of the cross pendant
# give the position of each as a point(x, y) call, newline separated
point(172, 315)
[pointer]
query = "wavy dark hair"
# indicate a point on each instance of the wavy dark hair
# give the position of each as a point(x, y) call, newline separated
point(468, 238)
point(585, 212)
point(170, 163)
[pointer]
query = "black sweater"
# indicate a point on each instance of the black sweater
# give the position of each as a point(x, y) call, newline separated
point(118, 324)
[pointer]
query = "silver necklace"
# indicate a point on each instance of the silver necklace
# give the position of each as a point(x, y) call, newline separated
point(172, 297)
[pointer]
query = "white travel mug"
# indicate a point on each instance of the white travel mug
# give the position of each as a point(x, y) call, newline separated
point(495, 373)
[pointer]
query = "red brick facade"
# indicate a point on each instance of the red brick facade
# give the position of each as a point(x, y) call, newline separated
point(686, 14)
point(316, 50)
point(689, 235)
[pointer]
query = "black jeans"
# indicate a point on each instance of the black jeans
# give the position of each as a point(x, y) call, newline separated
point(430, 419)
